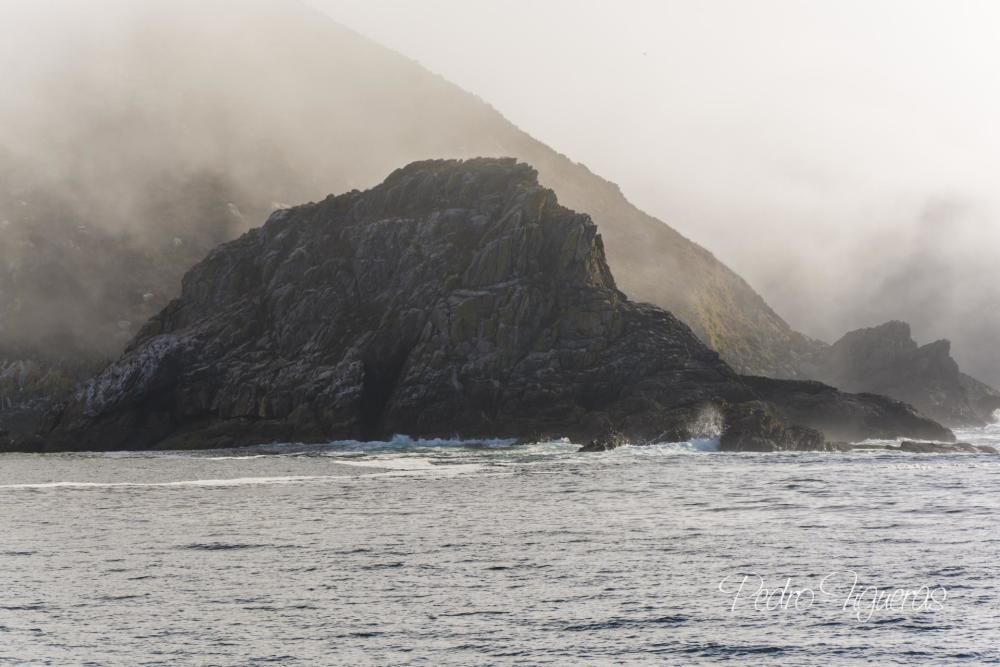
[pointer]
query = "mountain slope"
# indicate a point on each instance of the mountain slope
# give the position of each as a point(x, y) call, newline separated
point(142, 134)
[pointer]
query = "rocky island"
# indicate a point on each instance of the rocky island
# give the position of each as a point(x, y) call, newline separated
point(456, 298)
point(88, 255)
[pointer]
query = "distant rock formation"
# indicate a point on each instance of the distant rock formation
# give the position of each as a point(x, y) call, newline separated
point(843, 416)
point(457, 298)
point(886, 360)
point(942, 448)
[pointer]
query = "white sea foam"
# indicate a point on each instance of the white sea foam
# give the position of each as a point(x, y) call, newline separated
point(237, 458)
point(982, 435)
point(691, 446)
point(655, 449)
point(235, 481)
point(987, 435)
point(392, 463)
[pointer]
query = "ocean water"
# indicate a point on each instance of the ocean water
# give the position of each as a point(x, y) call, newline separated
point(444, 553)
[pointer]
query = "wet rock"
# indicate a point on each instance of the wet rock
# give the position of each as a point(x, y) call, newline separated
point(915, 447)
point(457, 297)
point(605, 443)
point(756, 427)
point(944, 448)
point(24, 442)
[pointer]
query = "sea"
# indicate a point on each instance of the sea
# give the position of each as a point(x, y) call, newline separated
point(443, 552)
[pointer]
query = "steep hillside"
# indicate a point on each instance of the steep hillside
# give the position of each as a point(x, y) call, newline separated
point(139, 135)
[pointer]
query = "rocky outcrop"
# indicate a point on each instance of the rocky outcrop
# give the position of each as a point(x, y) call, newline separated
point(945, 448)
point(983, 399)
point(886, 360)
point(653, 262)
point(455, 298)
point(605, 443)
point(89, 251)
point(806, 416)
point(757, 427)
point(911, 447)
point(847, 417)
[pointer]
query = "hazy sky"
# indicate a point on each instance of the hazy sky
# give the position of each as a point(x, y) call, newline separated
point(781, 134)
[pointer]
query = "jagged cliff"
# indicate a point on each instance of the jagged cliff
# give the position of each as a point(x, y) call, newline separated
point(103, 209)
point(655, 263)
point(886, 360)
point(455, 298)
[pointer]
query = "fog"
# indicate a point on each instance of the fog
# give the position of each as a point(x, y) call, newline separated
point(842, 156)
point(135, 136)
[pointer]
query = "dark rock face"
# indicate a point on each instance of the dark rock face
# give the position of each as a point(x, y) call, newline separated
point(454, 298)
point(983, 399)
point(653, 262)
point(87, 255)
point(886, 360)
point(756, 427)
point(457, 298)
point(846, 417)
point(90, 252)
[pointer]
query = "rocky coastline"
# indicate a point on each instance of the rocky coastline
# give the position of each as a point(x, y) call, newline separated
point(456, 298)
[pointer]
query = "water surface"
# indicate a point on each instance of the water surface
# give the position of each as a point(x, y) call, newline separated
point(437, 553)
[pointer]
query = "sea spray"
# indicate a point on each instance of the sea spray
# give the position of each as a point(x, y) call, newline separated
point(708, 424)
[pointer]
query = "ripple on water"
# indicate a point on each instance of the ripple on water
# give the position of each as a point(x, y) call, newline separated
point(419, 552)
